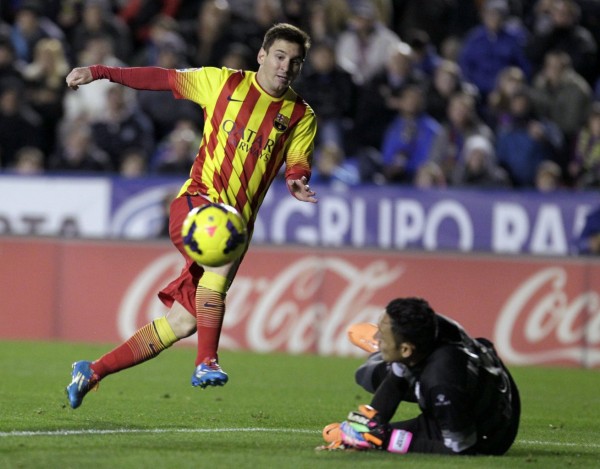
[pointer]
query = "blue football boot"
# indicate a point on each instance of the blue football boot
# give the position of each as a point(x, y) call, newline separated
point(209, 373)
point(83, 381)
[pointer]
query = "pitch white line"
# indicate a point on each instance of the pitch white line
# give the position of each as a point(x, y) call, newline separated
point(116, 431)
point(150, 430)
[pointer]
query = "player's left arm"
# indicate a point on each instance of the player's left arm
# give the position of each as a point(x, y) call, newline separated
point(299, 154)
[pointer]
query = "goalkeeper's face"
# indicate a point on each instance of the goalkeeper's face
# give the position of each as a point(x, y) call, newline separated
point(279, 66)
point(391, 351)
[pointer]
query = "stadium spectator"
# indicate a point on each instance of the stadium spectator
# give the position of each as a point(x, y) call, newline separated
point(588, 242)
point(209, 34)
point(476, 166)
point(333, 168)
point(163, 33)
point(20, 125)
point(121, 126)
point(564, 32)
point(237, 56)
point(28, 161)
point(140, 15)
point(237, 161)
point(97, 19)
point(549, 177)
point(176, 154)
point(327, 20)
point(377, 99)
point(134, 163)
point(468, 399)
point(10, 66)
point(497, 107)
point(44, 79)
point(526, 141)
point(425, 57)
point(430, 176)
point(77, 152)
point(585, 165)
point(91, 102)
point(29, 27)
point(563, 96)
point(446, 81)
point(490, 47)
point(440, 19)
point(462, 122)
point(331, 93)
point(364, 47)
point(263, 14)
point(409, 139)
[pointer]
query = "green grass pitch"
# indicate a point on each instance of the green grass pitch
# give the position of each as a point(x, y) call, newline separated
point(269, 415)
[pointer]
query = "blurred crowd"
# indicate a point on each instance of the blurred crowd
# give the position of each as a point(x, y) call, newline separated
point(437, 93)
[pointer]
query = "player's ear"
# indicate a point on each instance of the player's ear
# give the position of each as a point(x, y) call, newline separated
point(261, 56)
point(407, 350)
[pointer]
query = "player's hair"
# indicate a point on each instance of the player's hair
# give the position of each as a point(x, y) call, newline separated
point(287, 32)
point(414, 321)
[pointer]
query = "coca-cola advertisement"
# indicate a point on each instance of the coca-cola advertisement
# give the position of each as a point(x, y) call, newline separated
point(302, 300)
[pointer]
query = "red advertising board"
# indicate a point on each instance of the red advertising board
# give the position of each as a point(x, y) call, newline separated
point(301, 300)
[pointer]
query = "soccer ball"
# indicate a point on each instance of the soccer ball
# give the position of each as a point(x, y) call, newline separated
point(214, 234)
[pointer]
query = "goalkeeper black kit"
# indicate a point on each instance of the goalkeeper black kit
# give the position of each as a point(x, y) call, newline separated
point(469, 401)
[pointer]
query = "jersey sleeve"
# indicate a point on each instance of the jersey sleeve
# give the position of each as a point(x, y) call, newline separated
point(197, 84)
point(299, 152)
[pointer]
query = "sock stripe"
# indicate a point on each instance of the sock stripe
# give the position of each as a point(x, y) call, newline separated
point(210, 310)
point(146, 343)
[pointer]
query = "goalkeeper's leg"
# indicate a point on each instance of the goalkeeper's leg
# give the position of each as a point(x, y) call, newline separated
point(371, 373)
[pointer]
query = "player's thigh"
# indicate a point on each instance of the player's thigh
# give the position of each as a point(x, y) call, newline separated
point(179, 209)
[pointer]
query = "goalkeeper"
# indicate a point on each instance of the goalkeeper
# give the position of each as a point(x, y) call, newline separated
point(468, 399)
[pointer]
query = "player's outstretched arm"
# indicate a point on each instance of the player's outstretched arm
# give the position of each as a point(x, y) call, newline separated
point(79, 76)
point(301, 190)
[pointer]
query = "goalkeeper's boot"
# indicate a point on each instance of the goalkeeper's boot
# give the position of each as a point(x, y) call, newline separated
point(83, 380)
point(363, 336)
point(209, 373)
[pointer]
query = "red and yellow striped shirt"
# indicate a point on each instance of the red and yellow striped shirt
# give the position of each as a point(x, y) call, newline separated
point(248, 136)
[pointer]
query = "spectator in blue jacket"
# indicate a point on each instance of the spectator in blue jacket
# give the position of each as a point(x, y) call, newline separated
point(492, 46)
point(409, 138)
point(526, 141)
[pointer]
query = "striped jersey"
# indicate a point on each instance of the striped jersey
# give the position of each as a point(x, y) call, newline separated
point(248, 136)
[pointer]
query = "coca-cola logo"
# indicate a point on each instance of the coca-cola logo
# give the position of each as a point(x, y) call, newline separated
point(305, 306)
point(540, 324)
point(305, 303)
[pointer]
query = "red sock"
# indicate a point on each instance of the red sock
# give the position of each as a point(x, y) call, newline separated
point(210, 310)
point(141, 346)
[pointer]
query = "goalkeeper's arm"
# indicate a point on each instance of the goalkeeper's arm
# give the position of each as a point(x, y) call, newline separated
point(390, 392)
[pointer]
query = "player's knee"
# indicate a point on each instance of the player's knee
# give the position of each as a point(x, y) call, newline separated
point(181, 321)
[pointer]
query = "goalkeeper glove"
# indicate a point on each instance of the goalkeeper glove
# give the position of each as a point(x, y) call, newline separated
point(364, 430)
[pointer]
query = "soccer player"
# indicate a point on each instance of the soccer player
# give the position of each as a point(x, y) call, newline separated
point(468, 399)
point(254, 124)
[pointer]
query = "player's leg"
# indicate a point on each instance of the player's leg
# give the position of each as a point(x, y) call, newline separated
point(210, 311)
point(202, 291)
point(145, 344)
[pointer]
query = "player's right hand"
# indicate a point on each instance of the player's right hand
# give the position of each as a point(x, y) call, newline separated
point(79, 76)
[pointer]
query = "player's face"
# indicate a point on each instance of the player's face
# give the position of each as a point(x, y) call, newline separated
point(279, 66)
point(390, 351)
